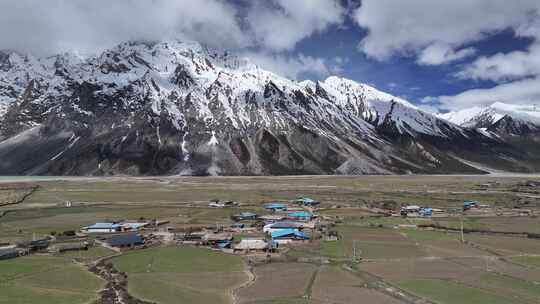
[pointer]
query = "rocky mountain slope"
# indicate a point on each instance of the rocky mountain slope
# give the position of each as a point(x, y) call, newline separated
point(499, 118)
point(179, 108)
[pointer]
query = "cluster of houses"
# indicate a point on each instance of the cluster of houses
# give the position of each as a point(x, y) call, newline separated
point(110, 227)
point(45, 245)
point(283, 223)
point(286, 224)
point(417, 211)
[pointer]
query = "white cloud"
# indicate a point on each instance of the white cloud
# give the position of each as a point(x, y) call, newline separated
point(53, 25)
point(281, 24)
point(503, 67)
point(439, 53)
point(269, 28)
point(289, 66)
point(525, 91)
point(437, 30)
point(56, 25)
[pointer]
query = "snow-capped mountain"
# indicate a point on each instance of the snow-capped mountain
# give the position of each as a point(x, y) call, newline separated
point(180, 108)
point(499, 118)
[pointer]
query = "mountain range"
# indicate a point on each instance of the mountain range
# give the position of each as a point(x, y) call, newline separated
point(180, 108)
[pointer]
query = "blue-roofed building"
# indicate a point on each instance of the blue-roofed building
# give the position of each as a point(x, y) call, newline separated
point(282, 225)
point(275, 206)
point(300, 215)
point(468, 204)
point(426, 211)
point(102, 228)
point(125, 240)
point(306, 201)
point(287, 235)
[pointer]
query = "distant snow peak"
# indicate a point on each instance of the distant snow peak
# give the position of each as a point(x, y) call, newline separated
point(482, 117)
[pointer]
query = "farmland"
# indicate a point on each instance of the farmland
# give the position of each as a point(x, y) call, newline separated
point(379, 258)
point(46, 280)
point(191, 274)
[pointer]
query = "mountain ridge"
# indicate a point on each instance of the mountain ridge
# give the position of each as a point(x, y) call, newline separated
point(180, 108)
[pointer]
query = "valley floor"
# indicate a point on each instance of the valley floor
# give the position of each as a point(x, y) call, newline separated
point(378, 259)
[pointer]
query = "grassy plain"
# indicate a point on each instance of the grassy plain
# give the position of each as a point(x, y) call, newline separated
point(449, 292)
point(430, 264)
point(41, 279)
point(170, 274)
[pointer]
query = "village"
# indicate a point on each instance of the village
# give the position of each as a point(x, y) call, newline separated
point(284, 224)
point(245, 241)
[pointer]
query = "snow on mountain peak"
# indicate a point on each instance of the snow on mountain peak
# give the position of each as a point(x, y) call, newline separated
point(220, 86)
point(484, 116)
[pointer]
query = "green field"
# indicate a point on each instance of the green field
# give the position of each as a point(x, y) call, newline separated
point(431, 264)
point(529, 261)
point(46, 280)
point(195, 275)
point(448, 292)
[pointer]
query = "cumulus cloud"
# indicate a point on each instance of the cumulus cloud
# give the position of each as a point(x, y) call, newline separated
point(505, 67)
point(269, 28)
point(435, 30)
point(516, 73)
point(439, 53)
point(281, 24)
point(441, 32)
point(48, 26)
point(293, 67)
point(526, 91)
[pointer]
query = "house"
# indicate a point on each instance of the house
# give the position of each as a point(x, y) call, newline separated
point(134, 226)
point(299, 215)
point(216, 204)
point(218, 240)
point(244, 216)
point(426, 211)
point(102, 228)
point(35, 245)
point(125, 240)
point(287, 235)
point(468, 204)
point(275, 207)
point(191, 237)
point(8, 252)
point(219, 204)
point(63, 247)
point(306, 201)
point(249, 245)
point(282, 225)
point(412, 208)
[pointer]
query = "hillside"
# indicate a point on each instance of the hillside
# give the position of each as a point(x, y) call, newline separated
point(177, 107)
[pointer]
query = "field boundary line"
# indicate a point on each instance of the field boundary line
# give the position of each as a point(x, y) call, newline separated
point(252, 277)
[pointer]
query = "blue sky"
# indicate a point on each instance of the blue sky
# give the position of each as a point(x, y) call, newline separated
point(440, 54)
point(400, 75)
